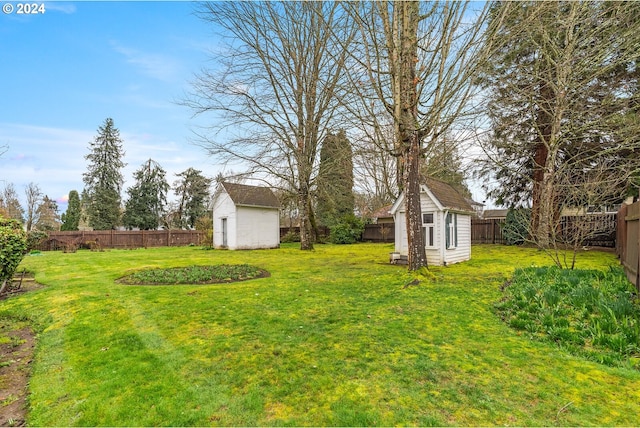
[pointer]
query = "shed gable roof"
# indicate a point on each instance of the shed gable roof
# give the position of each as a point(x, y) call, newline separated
point(443, 195)
point(252, 196)
point(447, 195)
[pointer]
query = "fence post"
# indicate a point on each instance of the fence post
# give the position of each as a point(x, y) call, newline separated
point(493, 231)
point(638, 257)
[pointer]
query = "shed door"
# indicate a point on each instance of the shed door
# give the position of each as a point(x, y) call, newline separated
point(224, 232)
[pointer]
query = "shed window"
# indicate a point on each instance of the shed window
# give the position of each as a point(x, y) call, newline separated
point(428, 230)
point(451, 226)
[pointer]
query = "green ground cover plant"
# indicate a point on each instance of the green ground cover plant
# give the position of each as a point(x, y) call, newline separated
point(332, 337)
point(194, 275)
point(589, 312)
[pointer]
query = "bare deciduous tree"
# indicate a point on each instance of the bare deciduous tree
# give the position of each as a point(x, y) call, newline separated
point(416, 64)
point(375, 166)
point(563, 103)
point(10, 204)
point(276, 96)
point(34, 198)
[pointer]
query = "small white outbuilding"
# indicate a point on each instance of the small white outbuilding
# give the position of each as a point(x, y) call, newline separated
point(245, 217)
point(446, 224)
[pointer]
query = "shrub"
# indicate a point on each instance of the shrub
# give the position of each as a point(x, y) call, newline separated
point(290, 236)
point(205, 224)
point(35, 238)
point(516, 226)
point(347, 231)
point(13, 247)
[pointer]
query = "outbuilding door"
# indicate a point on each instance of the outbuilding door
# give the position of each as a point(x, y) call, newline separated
point(402, 245)
point(224, 232)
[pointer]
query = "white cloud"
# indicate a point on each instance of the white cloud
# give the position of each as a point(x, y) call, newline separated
point(67, 8)
point(54, 158)
point(157, 66)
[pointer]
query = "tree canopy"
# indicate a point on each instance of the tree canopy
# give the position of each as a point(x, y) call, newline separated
point(103, 179)
point(280, 83)
point(147, 197)
point(562, 91)
point(335, 199)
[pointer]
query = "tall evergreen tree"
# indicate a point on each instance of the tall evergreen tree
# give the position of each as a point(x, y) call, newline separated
point(193, 191)
point(147, 197)
point(103, 179)
point(335, 198)
point(562, 106)
point(71, 219)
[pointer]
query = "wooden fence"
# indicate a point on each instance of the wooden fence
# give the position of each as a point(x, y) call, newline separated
point(382, 232)
point(120, 239)
point(483, 231)
point(487, 231)
point(628, 241)
point(597, 229)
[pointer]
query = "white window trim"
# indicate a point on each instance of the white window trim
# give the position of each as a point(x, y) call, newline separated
point(426, 227)
point(452, 232)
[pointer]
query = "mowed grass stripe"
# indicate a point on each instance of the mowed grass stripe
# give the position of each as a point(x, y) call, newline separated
point(331, 338)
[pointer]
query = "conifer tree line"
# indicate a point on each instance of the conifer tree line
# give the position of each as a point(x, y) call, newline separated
point(100, 206)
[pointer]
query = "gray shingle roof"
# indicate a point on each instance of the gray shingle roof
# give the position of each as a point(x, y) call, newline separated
point(497, 213)
point(447, 195)
point(252, 196)
point(384, 212)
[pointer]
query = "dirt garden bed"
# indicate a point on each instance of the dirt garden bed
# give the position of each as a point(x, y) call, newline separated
point(17, 346)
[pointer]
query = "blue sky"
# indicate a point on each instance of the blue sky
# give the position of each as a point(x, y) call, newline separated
point(62, 73)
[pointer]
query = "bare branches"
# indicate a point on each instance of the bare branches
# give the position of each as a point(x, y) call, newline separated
point(277, 94)
point(414, 69)
point(562, 89)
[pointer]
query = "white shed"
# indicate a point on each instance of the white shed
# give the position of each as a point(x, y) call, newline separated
point(245, 217)
point(446, 224)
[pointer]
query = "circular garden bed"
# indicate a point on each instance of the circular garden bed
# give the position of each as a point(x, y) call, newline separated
point(212, 274)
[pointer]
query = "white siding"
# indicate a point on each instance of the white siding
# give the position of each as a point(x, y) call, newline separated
point(401, 233)
point(439, 254)
point(463, 251)
point(258, 228)
point(224, 208)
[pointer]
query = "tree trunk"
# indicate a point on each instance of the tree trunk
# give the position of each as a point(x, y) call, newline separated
point(313, 224)
point(540, 204)
point(306, 236)
point(416, 249)
point(406, 103)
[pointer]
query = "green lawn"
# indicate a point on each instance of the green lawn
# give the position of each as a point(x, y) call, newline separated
point(330, 338)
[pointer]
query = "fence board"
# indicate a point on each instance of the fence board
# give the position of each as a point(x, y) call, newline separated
point(121, 238)
point(629, 248)
point(381, 232)
point(487, 231)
